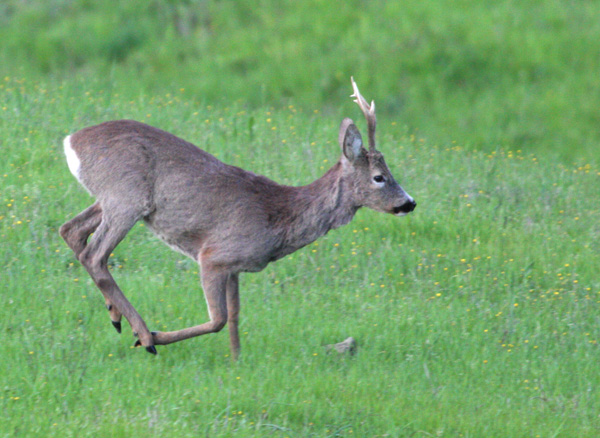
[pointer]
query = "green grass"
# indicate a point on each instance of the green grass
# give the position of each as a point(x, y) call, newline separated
point(491, 75)
point(478, 315)
point(475, 316)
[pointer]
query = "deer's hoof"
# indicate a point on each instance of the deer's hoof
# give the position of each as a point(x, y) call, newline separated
point(117, 326)
point(149, 349)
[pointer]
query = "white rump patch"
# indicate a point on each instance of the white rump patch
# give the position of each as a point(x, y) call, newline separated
point(72, 158)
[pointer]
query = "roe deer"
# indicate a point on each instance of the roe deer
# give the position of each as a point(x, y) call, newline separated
point(227, 219)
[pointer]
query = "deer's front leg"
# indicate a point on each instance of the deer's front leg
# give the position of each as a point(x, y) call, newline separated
point(233, 312)
point(214, 283)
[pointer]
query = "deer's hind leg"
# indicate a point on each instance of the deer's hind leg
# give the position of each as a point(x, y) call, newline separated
point(94, 257)
point(76, 233)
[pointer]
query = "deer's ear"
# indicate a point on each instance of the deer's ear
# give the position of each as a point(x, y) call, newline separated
point(350, 140)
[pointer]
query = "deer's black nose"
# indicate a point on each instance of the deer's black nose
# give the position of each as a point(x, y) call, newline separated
point(407, 207)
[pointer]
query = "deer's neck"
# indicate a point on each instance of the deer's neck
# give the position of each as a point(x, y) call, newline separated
point(315, 209)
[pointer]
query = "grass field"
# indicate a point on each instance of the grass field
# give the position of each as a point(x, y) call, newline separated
point(476, 316)
point(491, 74)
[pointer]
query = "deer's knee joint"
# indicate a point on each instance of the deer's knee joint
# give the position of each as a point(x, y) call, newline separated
point(219, 324)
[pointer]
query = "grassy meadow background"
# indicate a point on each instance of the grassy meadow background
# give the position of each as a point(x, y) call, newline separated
point(476, 316)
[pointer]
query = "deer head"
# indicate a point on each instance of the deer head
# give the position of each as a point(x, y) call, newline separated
point(373, 185)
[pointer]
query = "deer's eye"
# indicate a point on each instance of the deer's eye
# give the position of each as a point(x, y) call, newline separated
point(379, 179)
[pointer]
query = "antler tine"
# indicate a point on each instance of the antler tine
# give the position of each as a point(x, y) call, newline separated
point(368, 111)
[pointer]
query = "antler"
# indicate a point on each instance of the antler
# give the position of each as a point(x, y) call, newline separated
point(368, 111)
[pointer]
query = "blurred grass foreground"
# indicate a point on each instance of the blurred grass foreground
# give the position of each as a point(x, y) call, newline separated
point(490, 74)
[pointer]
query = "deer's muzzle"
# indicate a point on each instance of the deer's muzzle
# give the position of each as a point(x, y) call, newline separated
point(405, 208)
